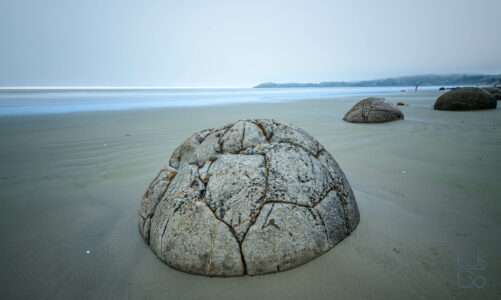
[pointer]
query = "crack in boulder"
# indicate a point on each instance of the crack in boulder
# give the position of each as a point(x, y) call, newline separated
point(267, 135)
point(232, 230)
point(148, 215)
point(323, 225)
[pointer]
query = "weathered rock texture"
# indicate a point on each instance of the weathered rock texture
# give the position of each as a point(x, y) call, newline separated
point(373, 110)
point(252, 197)
point(494, 91)
point(466, 99)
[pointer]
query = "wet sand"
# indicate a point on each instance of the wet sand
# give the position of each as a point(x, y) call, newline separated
point(428, 188)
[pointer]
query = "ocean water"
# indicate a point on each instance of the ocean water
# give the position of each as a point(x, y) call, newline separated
point(35, 102)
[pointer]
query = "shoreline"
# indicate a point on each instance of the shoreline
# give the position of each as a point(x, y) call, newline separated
point(67, 103)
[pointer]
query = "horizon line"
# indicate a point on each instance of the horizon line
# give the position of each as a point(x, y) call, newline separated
point(146, 87)
point(113, 87)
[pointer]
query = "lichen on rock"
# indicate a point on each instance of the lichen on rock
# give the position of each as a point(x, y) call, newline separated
point(252, 197)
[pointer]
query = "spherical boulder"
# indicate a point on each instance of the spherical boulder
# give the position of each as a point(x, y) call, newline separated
point(466, 99)
point(252, 197)
point(373, 110)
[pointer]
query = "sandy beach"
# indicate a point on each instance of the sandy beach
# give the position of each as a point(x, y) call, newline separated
point(428, 189)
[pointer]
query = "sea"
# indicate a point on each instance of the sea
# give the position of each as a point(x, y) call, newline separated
point(38, 101)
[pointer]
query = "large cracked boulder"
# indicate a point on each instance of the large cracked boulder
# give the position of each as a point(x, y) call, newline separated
point(373, 110)
point(470, 98)
point(252, 197)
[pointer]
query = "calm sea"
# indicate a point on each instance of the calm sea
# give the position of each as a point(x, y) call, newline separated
point(32, 102)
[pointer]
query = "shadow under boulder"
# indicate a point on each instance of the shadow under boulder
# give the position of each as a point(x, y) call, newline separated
point(373, 110)
point(466, 99)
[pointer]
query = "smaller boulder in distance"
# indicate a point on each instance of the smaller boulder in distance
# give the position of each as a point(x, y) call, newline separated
point(373, 110)
point(470, 98)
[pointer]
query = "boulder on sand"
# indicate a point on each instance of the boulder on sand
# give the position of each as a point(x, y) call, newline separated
point(471, 98)
point(373, 110)
point(252, 197)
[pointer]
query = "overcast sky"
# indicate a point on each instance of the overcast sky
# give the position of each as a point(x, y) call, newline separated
point(242, 43)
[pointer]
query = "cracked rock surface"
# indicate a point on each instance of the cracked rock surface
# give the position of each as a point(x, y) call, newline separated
point(373, 110)
point(252, 197)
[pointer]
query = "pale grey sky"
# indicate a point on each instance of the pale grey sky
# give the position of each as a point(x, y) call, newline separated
point(242, 43)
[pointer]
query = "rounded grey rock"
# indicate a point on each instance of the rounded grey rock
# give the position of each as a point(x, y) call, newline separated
point(252, 197)
point(373, 110)
point(466, 99)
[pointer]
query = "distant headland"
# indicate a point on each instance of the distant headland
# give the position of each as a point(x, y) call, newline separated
point(419, 80)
